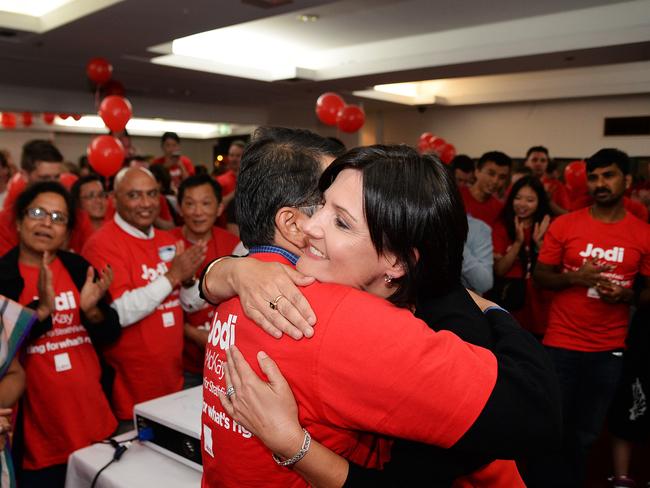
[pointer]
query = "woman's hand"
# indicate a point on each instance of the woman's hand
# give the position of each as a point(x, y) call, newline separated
point(259, 284)
point(519, 231)
point(45, 288)
point(539, 229)
point(5, 426)
point(93, 291)
point(268, 410)
point(482, 303)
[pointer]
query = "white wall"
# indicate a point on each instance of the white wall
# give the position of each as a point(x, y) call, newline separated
point(569, 128)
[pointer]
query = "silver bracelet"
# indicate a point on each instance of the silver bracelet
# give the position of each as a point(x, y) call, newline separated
point(299, 455)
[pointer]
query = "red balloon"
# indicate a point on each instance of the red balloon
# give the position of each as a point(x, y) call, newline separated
point(28, 119)
point(99, 70)
point(76, 117)
point(115, 112)
point(8, 120)
point(114, 87)
point(437, 144)
point(351, 118)
point(48, 118)
point(575, 177)
point(106, 155)
point(425, 136)
point(68, 179)
point(328, 106)
point(64, 116)
point(447, 153)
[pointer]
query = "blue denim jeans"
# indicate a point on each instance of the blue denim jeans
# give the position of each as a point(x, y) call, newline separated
point(588, 382)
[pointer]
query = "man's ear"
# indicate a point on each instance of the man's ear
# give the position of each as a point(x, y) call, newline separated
point(287, 222)
point(220, 208)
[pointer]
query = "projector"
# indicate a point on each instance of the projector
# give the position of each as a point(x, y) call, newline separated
point(172, 425)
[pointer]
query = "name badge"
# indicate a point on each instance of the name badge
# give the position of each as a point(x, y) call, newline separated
point(62, 362)
point(167, 253)
point(168, 319)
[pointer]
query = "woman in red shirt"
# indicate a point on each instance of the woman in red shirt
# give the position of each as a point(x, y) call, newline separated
point(517, 238)
point(64, 407)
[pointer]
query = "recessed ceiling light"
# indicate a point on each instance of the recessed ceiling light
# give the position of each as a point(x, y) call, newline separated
point(308, 17)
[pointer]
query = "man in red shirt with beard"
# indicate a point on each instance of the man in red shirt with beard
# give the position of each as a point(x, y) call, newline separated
point(591, 257)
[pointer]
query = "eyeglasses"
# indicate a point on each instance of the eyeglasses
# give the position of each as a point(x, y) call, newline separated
point(38, 213)
point(93, 195)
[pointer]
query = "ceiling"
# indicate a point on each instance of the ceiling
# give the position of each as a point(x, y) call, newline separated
point(365, 42)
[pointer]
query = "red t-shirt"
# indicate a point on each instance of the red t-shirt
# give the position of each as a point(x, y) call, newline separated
point(487, 211)
point(557, 192)
point(222, 243)
point(15, 187)
point(65, 408)
point(578, 319)
point(370, 366)
point(175, 171)
point(148, 356)
point(533, 316)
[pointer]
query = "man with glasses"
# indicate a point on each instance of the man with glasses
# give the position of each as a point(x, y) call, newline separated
point(88, 194)
point(40, 161)
point(148, 266)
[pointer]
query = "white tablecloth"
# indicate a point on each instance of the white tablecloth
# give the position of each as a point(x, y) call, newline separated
point(139, 466)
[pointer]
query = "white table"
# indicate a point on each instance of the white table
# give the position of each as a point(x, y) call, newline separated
point(139, 466)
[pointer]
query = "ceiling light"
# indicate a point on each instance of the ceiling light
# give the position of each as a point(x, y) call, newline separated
point(154, 127)
point(33, 8)
point(308, 17)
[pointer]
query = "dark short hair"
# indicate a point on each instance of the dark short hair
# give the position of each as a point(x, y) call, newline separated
point(463, 163)
point(412, 207)
point(303, 138)
point(543, 206)
point(497, 157)
point(273, 175)
point(39, 150)
point(533, 149)
point(608, 156)
point(30, 193)
point(523, 170)
point(169, 135)
point(75, 191)
point(198, 180)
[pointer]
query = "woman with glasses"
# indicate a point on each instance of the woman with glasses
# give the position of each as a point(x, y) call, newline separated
point(64, 407)
point(89, 195)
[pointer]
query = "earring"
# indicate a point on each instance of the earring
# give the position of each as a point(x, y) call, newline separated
point(388, 279)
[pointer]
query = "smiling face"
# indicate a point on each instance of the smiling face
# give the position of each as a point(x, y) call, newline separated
point(137, 199)
point(39, 235)
point(525, 203)
point(491, 177)
point(200, 209)
point(339, 248)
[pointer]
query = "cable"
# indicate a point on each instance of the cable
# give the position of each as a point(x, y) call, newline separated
point(121, 447)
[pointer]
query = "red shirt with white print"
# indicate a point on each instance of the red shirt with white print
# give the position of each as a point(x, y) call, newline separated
point(65, 408)
point(578, 319)
point(221, 244)
point(175, 172)
point(347, 383)
point(147, 358)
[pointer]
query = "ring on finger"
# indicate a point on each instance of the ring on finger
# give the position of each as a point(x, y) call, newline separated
point(230, 391)
point(274, 303)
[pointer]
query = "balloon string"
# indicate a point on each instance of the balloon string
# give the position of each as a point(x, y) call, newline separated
point(96, 97)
